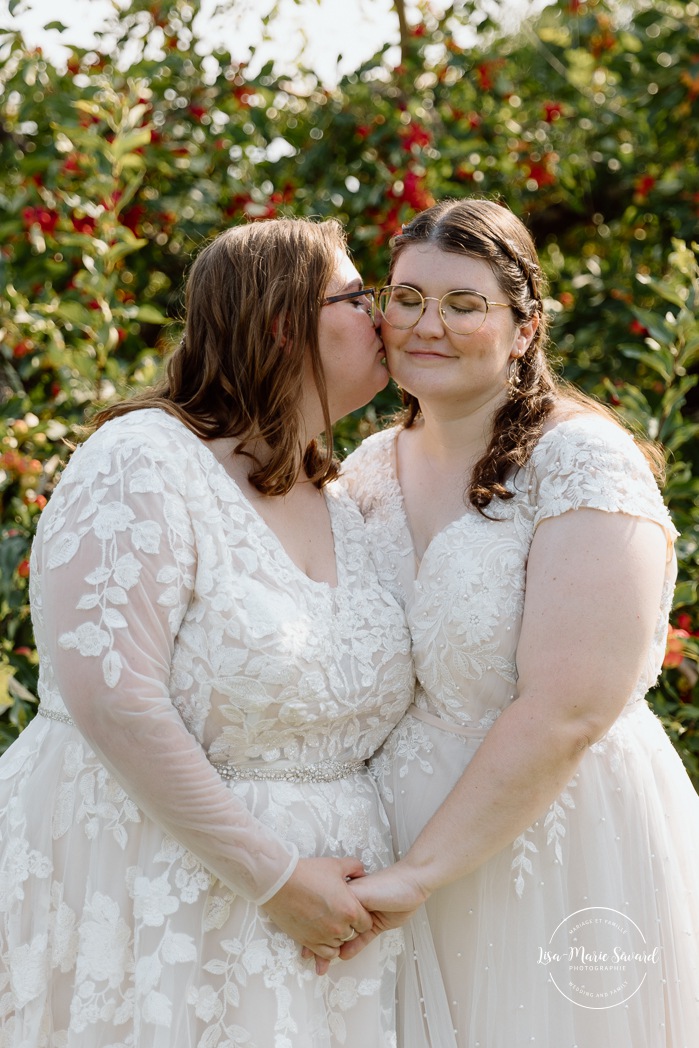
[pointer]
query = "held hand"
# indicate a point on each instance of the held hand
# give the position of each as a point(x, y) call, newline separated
point(317, 908)
point(392, 895)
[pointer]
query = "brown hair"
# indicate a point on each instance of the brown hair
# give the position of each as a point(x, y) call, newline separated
point(253, 302)
point(482, 228)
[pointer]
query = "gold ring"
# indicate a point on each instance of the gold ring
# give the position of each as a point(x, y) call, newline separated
point(351, 935)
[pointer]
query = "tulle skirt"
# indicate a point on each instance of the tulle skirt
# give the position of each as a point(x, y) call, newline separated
point(582, 934)
point(112, 935)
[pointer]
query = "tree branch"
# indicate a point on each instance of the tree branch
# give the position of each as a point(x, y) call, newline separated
point(399, 6)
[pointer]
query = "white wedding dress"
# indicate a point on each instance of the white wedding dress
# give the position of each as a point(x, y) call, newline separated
point(205, 712)
point(614, 863)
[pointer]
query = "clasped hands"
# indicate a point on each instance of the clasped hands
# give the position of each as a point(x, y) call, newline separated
point(333, 909)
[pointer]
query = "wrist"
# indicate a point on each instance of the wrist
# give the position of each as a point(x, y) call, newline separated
point(282, 880)
point(418, 876)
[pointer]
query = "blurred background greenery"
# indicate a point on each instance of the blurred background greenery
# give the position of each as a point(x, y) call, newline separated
point(116, 165)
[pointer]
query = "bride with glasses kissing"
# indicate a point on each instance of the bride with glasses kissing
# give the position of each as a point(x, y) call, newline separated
point(217, 661)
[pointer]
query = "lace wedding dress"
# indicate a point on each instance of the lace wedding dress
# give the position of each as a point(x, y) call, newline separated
point(205, 712)
point(612, 868)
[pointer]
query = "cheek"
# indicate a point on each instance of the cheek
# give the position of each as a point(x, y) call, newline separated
point(391, 337)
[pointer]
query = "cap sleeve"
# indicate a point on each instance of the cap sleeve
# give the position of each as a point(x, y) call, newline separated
point(367, 472)
point(592, 463)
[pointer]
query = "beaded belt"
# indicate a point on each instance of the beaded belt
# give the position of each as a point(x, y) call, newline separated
point(322, 771)
point(54, 715)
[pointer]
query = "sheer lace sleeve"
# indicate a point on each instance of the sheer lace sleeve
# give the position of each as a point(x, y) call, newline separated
point(591, 463)
point(117, 556)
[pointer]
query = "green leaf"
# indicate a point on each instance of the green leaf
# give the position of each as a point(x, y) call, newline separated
point(686, 594)
point(675, 395)
point(121, 250)
point(658, 360)
point(85, 106)
point(123, 144)
point(132, 162)
point(657, 326)
point(662, 288)
point(74, 313)
point(673, 434)
point(150, 315)
point(10, 229)
point(136, 114)
point(689, 353)
point(132, 187)
point(8, 734)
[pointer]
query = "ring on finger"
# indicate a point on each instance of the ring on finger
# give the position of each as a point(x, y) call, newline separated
point(352, 934)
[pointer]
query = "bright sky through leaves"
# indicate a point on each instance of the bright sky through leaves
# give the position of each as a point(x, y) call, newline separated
point(334, 36)
point(320, 29)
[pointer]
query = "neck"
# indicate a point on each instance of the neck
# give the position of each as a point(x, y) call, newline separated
point(452, 437)
point(240, 466)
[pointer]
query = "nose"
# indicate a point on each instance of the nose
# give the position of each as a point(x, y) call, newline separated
point(431, 323)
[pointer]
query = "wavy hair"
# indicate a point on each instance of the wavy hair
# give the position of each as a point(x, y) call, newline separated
point(252, 306)
point(481, 228)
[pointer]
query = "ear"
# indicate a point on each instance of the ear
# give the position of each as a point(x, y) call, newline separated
point(523, 337)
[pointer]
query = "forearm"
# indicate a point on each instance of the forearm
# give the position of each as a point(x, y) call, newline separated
point(594, 583)
point(523, 764)
point(163, 768)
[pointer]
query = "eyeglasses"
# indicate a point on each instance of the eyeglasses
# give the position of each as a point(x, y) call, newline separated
point(462, 311)
point(369, 293)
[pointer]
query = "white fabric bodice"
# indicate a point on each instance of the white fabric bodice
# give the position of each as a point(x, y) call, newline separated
point(464, 600)
point(621, 835)
point(183, 621)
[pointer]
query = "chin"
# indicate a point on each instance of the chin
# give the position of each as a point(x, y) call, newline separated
point(363, 398)
point(385, 378)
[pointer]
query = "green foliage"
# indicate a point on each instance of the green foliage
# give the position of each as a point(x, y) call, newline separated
point(586, 123)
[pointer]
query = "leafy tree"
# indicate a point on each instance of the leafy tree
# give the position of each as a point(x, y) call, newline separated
point(585, 121)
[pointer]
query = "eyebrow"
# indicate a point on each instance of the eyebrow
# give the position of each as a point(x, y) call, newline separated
point(418, 287)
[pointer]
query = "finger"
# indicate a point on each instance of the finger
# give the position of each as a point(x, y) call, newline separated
point(361, 921)
point(306, 953)
point(327, 952)
point(350, 949)
point(321, 966)
point(351, 868)
point(357, 876)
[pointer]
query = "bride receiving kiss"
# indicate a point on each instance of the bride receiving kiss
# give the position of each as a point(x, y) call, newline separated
point(539, 810)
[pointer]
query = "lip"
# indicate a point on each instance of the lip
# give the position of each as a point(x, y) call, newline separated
point(427, 354)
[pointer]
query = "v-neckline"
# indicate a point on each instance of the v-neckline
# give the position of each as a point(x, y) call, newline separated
point(273, 539)
point(394, 476)
point(419, 560)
